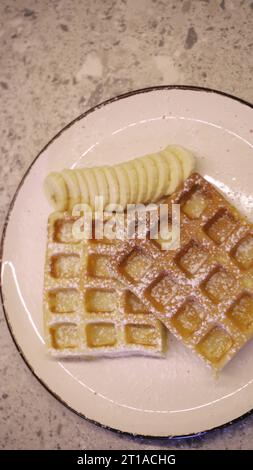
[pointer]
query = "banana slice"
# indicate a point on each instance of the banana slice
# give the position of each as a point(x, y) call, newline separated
point(74, 194)
point(124, 186)
point(56, 191)
point(142, 180)
point(133, 181)
point(89, 175)
point(152, 177)
point(113, 185)
point(102, 184)
point(83, 185)
point(163, 175)
point(185, 157)
point(176, 176)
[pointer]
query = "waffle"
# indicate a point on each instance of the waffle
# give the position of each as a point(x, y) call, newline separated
point(202, 291)
point(86, 312)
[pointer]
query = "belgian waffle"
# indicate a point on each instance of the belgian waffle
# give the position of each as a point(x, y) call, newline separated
point(202, 291)
point(86, 312)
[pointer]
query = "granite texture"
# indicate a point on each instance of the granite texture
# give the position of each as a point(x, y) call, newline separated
point(58, 58)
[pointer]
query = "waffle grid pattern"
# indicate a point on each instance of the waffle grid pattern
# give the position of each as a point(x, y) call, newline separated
point(203, 291)
point(86, 311)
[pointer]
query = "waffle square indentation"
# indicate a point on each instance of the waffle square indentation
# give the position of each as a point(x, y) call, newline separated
point(215, 344)
point(241, 312)
point(243, 252)
point(161, 291)
point(217, 284)
point(100, 300)
point(98, 266)
point(133, 304)
point(135, 265)
point(63, 300)
point(64, 336)
point(141, 334)
point(63, 231)
point(101, 335)
point(65, 266)
point(194, 203)
point(191, 257)
point(188, 318)
point(220, 226)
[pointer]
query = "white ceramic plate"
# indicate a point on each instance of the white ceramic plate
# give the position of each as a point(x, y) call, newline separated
point(152, 397)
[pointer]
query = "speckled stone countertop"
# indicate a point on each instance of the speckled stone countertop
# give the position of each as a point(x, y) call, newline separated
point(58, 58)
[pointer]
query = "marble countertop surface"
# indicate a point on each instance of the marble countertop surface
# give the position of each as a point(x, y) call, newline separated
point(58, 58)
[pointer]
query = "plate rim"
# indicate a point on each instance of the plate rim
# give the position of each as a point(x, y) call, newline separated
point(4, 229)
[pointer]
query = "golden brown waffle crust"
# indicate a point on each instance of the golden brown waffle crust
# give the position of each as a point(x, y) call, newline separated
point(209, 274)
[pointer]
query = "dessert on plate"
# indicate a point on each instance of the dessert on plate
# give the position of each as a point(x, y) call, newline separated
point(125, 296)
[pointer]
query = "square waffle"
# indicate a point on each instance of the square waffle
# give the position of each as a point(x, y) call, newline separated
point(202, 291)
point(86, 312)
